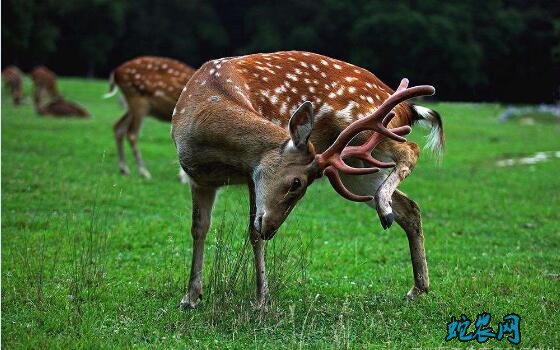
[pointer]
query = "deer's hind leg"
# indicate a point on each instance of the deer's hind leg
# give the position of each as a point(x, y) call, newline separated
point(202, 202)
point(405, 155)
point(138, 109)
point(407, 215)
point(120, 129)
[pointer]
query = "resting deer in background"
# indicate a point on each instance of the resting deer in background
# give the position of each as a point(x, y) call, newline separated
point(150, 86)
point(13, 81)
point(44, 84)
point(62, 108)
point(278, 121)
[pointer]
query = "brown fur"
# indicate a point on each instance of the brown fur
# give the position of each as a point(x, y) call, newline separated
point(62, 108)
point(44, 85)
point(151, 86)
point(234, 123)
point(13, 80)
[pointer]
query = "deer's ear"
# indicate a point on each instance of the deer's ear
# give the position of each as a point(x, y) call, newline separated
point(301, 125)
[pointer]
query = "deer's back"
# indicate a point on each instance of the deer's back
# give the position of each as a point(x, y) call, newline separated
point(44, 77)
point(157, 80)
point(271, 86)
point(12, 76)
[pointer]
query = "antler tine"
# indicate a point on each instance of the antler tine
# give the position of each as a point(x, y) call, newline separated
point(334, 178)
point(332, 160)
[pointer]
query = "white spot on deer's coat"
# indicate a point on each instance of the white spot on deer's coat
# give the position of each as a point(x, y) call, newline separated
point(350, 79)
point(185, 88)
point(323, 74)
point(137, 76)
point(325, 63)
point(265, 78)
point(303, 64)
point(337, 66)
point(369, 85)
point(283, 108)
point(346, 113)
point(340, 91)
point(351, 89)
point(273, 99)
point(315, 68)
point(280, 89)
point(294, 90)
point(311, 89)
point(292, 77)
point(298, 71)
point(369, 99)
point(332, 95)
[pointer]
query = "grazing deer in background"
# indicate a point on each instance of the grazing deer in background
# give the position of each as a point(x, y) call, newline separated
point(13, 81)
point(150, 86)
point(62, 108)
point(44, 84)
point(277, 122)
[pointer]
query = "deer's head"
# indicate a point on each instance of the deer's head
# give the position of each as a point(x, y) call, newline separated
point(283, 175)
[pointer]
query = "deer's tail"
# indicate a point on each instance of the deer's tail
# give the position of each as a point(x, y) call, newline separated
point(431, 120)
point(112, 86)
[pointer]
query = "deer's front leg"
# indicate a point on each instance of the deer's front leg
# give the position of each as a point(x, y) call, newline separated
point(202, 201)
point(258, 251)
point(405, 156)
point(407, 215)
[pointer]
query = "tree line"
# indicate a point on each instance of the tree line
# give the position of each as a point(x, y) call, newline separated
point(472, 50)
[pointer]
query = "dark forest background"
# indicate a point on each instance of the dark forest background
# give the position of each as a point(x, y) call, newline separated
point(479, 50)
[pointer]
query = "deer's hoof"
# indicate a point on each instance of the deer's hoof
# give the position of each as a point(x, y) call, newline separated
point(124, 170)
point(387, 220)
point(188, 304)
point(145, 173)
point(414, 293)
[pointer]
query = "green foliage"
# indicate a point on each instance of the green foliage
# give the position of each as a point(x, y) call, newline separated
point(470, 50)
point(91, 259)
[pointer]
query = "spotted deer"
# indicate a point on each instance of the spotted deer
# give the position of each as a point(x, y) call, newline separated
point(277, 122)
point(150, 86)
point(44, 85)
point(13, 81)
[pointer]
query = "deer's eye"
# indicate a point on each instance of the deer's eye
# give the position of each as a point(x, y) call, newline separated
point(296, 184)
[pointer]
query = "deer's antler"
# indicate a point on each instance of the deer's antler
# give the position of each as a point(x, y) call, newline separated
point(332, 160)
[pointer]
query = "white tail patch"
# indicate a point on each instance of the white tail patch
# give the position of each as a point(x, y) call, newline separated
point(113, 87)
point(430, 120)
point(111, 93)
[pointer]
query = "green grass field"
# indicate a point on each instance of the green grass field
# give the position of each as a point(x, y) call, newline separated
point(91, 259)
